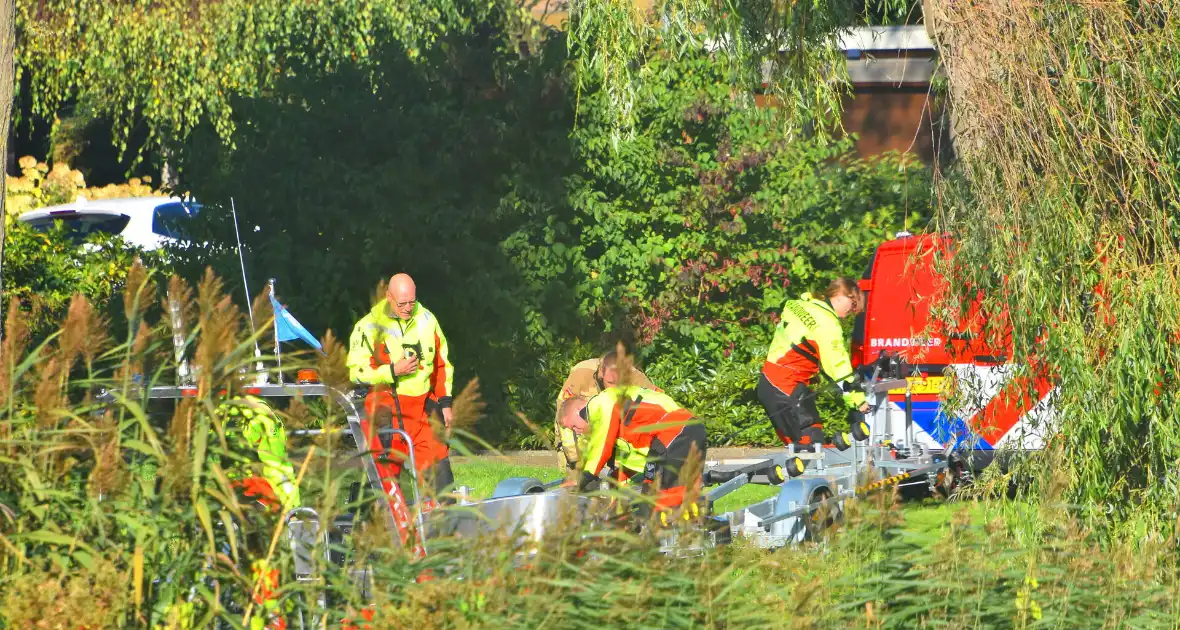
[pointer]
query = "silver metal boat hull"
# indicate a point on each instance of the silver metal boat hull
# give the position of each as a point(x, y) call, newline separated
point(530, 517)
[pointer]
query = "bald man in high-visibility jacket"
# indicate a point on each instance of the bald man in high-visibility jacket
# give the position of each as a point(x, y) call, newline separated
point(399, 350)
point(626, 420)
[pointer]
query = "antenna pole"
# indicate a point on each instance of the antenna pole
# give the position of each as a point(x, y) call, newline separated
point(246, 286)
point(278, 344)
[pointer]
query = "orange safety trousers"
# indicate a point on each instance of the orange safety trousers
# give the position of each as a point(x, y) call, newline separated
point(382, 407)
point(258, 489)
point(670, 449)
point(413, 419)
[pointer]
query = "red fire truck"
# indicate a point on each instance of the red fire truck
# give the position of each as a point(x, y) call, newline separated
point(995, 405)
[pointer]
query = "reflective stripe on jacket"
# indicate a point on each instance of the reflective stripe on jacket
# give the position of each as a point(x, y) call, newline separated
point(627, 419)
point(809, 339)
point(380, 339)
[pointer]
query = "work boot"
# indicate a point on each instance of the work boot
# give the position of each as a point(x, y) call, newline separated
point(443, 478)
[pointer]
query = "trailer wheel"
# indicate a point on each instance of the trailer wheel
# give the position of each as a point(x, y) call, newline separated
point(793, 467)
point(820, 520)
point(775, 474)
point(843, 441)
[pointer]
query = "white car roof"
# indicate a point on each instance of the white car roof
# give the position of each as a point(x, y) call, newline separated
point(126, 205)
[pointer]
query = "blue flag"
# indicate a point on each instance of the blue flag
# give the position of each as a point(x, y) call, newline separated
point(287, 328)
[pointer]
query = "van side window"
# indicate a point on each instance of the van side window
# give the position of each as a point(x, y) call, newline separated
point(169, 219)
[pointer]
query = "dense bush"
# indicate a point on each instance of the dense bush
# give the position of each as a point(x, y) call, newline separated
point(689, 234)
point(705, 221)
point(43, 271)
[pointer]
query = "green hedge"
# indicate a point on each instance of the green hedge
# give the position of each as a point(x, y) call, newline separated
point(687, 238)
point(43, 270)
point(537, 235)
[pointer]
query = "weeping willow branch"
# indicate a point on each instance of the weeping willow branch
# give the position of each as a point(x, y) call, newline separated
point(1065, 211)
point(789, 49)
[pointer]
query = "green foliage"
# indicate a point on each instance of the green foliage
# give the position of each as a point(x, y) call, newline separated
point(703, 224)
point(173, 64)
point(44, 270)
point(790, 46)
point(1066, 216)
point(446, 153)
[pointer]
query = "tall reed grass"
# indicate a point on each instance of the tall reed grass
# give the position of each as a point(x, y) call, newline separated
point(119, 514)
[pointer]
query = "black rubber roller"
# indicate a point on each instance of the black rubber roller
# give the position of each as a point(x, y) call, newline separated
point(842, 441)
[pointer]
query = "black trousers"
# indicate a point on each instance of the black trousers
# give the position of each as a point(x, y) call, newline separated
point(793, 415)
point(666, 460)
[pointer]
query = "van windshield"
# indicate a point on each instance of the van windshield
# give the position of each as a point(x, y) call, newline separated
point(81, 225)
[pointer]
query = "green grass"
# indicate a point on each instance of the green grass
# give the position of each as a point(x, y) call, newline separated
point(743, 496)
point(482, 476)
point(931, 516)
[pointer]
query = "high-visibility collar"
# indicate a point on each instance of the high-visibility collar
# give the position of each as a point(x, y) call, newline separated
point(382, 317)
point(824, 304)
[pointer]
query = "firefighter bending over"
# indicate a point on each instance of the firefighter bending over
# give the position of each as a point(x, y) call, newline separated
point(807, 344)
point(629, 419)
point(399, 350)
point(251, 425)
point(262, 473)
point(587, 379)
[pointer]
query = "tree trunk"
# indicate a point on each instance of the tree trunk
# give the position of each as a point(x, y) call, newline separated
point(7, 83)
point(960, 109)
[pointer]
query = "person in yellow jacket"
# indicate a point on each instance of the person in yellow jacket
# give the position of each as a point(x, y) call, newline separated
point(587, 379)
point(261, 470)
point(807, 342)
point(398, 349)
point(638, 421)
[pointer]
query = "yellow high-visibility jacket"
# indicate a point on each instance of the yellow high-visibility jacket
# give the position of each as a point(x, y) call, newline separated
point(583, 381)
point(252, 424)
point(623, 421)
point(809, 339)
point(380, 339)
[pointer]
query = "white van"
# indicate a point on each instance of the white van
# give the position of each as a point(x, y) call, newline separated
point(146, 222)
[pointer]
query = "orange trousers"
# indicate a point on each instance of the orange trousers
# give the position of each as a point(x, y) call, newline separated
point(382, 410)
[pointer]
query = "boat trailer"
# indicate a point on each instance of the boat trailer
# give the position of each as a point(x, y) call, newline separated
point(813, 489)
point(814, 485)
